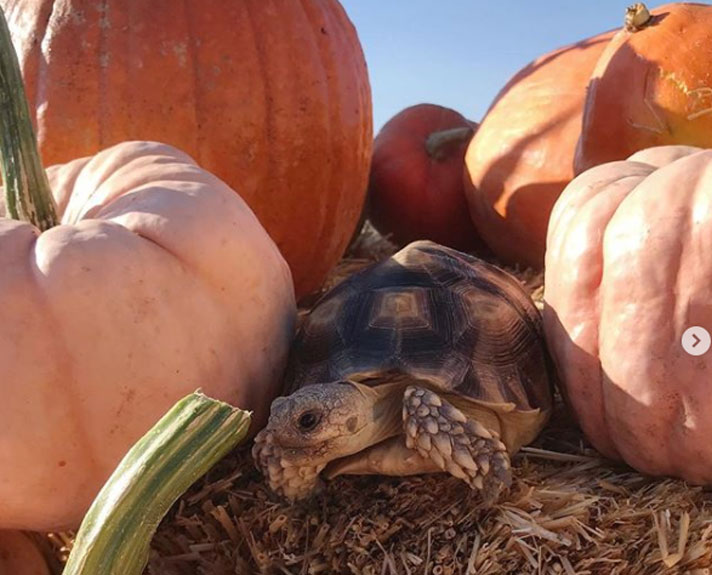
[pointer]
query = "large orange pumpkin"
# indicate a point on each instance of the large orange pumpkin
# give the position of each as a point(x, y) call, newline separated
point(651, 87)
point(628, 271)
point(522, 155)
point(272, 96)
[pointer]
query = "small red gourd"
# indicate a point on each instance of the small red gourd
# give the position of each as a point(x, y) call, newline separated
point(415, 187)
point(651, 86)
point(522, 155)
point(628, 270)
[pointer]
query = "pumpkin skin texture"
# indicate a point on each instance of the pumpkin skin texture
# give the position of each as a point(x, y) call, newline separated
point(272, 96)
point(159, 280)
point(522, 155)
point(651, 88)
point(628, 270)
point(20, 556)
point(415, 191)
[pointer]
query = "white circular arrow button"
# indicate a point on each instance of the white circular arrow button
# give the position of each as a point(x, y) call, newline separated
point(696, 340)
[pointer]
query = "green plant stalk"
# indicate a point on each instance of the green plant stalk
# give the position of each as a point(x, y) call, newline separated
point(116, 533)
point(27, 193)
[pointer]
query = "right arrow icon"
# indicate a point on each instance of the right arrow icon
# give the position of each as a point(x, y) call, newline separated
point(696, 340)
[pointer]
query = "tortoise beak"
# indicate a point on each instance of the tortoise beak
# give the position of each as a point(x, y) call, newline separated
point(389, 457)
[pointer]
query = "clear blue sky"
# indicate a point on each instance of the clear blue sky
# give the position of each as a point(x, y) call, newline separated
point(459, 53)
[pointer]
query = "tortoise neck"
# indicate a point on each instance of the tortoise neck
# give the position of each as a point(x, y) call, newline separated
point(387, 410)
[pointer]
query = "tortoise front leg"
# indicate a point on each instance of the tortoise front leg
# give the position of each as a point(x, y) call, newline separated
point(460, 446)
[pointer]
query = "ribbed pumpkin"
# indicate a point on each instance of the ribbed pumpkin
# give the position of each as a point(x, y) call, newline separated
point(522, 155)
point(628, 271)
point(272, 96)
point(651, 87)
point(158, 281)
point(415, 187)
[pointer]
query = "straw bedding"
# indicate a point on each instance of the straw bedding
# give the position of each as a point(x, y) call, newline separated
point(568, 511)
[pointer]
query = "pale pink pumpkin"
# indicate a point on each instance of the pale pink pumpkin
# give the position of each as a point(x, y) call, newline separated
point(628, 270)
point(159, 280)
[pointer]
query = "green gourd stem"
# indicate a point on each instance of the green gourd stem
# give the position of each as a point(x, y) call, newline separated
point(115, 536)
point(437, 142)
point(27, 193)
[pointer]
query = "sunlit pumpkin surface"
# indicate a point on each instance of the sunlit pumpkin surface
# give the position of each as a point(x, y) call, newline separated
point(159, 281)
point(274, 100)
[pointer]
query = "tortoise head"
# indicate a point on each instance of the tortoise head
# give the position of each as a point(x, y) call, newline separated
point(318, 424)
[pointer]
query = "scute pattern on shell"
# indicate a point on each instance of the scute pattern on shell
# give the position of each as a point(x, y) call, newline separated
point(434, 313)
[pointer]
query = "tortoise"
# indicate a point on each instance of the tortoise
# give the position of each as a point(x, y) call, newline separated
point(429, 361)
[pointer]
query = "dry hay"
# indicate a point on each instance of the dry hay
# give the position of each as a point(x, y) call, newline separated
point(568, 511)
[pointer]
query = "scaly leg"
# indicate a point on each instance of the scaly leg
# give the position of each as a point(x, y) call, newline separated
point(460, 446)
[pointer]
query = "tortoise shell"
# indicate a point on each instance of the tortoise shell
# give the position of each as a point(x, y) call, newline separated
point(433, 313)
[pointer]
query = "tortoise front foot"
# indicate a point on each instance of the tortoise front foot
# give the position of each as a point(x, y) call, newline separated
point(460, 446)
point(286, 478)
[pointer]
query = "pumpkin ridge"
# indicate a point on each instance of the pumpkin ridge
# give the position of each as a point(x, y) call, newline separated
point(364, 82)
point(131, 118)
point(613, 424)
point(364, 91)
point(325, 61)
point(42, 67)
point(212, 287)
point(192, 50)
point(103, 60)
point(561, 224)
point(63, 359)
point(604, 383)
point(347, 34)
point(267, 104)
point(79, 209)
point(683, 238)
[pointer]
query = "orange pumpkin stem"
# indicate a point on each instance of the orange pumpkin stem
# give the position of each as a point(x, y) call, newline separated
point(27, 193)
point(437, 143)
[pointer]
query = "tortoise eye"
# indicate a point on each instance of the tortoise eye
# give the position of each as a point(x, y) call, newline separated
point(308, 421)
